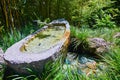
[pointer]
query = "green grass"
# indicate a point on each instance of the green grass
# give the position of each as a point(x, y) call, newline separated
point(9, 38)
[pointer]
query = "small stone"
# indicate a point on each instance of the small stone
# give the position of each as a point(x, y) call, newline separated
point(80, 72)
point(83, 60)
point(90, 60)
point(70, 57)
point(91, 65)
point(67, 61)
point(88, 71)
point(39, 44)
point(64, 66)
point(82, 66)
point(102, 66)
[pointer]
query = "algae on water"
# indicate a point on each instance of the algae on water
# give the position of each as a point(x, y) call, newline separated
point(45, 39)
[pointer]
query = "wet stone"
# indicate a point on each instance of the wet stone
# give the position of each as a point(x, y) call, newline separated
point(83, 60)
point(70, 57)
point(83, 65)
point(91, 65)
point(67, 61)
point(102, 65)
point(87, 62)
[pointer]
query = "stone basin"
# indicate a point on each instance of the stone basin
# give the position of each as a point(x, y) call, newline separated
point(37, 49)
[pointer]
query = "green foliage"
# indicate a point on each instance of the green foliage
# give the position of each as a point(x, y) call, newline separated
point(10, 39)
point(18, 77)
point(79, 35)
point(22, 12)
point(83, 10)
point(7, 39)
point(104, 21)
point(1, 71)
point(117, 41)
point(113, 61)
point(18, 13)
point(115, 11)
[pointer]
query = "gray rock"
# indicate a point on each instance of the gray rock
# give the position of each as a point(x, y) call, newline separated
point(83, 60)
point(67, 61)
point(19, 61)
point(97, 45)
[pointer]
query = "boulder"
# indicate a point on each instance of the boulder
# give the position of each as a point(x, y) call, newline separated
point(39, 48)
point(97, 46)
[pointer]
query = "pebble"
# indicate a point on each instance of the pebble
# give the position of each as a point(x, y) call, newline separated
point(91, 65)
point(83, 60)
point(70, 58)
point(102, 65)
point(83, 65)
point(67, 61)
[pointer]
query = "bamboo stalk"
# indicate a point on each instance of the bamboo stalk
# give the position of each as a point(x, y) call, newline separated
point(11, 16)
point(3, 2)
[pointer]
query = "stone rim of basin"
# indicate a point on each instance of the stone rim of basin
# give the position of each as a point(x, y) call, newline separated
point(14, 55)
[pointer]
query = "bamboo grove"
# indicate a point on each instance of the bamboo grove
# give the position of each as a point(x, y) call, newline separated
point(15, 14)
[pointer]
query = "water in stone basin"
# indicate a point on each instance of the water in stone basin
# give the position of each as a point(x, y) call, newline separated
point(45, 39)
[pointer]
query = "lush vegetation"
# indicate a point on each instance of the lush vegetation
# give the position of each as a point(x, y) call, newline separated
point(88, 18)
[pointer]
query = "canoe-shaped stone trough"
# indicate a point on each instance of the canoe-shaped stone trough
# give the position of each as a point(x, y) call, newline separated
point(37, 49)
